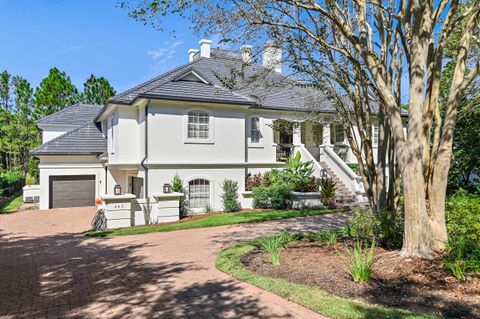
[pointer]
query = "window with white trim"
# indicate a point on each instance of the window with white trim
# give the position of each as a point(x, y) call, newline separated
point(375, 134)
point(338, 134)
point(255, 130)
point(198, 126)
point(198, 193)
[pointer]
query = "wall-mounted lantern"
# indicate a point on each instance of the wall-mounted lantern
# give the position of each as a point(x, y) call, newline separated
point(167, 188)
point(323, 173)
point(117, 190)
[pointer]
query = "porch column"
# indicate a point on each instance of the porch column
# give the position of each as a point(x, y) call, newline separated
point(297, 134)
point(326, 134)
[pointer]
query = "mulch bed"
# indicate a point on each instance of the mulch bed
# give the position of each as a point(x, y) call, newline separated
point(414, 284)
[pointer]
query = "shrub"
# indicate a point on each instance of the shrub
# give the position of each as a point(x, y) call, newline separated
point(462, 256)
point(261, 198)
point(177, 186)
point(354, 167)
point(328, 188)
point(230, 196)
point(298, 175)
point(10, 177)
point(360, 261)
point(463, 217)
point(274, 196)
point(384, 227)
point(257, 180)
point(279, 195)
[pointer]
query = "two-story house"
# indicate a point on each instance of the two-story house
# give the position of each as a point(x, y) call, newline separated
point(218, 117)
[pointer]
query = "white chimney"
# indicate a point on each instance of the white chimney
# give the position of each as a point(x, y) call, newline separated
point(246, 53)
point(191, 54)
point(205, 46)
point(272, 57)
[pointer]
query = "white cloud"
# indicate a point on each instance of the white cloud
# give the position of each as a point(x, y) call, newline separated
point(164, 54)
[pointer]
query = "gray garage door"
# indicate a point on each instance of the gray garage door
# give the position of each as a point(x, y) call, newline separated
point(72, 191)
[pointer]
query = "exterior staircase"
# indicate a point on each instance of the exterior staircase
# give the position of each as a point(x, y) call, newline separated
point(343, 195)
point(349, 187)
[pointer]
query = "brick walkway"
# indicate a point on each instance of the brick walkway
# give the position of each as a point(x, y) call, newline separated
point(48, 269)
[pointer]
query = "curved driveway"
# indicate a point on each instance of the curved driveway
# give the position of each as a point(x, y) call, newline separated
point(48, 269)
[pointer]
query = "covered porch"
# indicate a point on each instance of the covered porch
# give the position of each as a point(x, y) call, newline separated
point(313, 135)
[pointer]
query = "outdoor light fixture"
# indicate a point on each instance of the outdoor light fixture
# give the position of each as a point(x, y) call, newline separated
point(167, 188)
point(323, 173)
point(117, 190)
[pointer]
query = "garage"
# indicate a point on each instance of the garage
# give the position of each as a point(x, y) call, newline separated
point(72, 191)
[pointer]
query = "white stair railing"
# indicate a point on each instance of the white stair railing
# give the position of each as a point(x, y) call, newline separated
point(351, 180)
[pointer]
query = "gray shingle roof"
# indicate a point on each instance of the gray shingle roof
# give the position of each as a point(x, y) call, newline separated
point(249, 84)
point(85, 140)
point(232, 81)
point(74, 115)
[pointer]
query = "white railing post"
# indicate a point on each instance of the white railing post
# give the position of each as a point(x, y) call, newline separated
point(326, 134)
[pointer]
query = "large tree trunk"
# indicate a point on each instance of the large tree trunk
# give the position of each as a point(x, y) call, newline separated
point(418, 235)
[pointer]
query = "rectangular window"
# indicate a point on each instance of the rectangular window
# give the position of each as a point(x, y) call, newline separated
point(375, 135)
point(338, 136)
point(254, 130)
point(198, 125)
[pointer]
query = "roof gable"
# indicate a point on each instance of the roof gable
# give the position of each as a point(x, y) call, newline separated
point(191, 76)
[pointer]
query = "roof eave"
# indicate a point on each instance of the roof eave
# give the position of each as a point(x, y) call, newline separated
point(175, 98)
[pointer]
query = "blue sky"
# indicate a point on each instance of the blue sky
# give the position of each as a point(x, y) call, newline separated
point(82, 37)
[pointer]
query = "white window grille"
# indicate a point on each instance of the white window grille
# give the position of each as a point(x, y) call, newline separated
point(375, 135)
point(338, 136)
point(254, 130)
point(198, 193)
point(198, 125)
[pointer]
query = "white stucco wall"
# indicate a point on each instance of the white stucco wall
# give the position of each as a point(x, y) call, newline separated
point(51, 132)
point(167, 139)
point(157, 177)
point(125, 145)
point(69, 165)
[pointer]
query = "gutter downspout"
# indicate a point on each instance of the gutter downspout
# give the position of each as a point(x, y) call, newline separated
point(145, 168)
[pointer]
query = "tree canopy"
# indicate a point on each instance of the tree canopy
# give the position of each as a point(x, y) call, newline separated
point(358, 48)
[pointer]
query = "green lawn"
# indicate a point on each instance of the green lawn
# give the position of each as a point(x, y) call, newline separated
point(229, 261)
point(12, 205)
point(212, 221)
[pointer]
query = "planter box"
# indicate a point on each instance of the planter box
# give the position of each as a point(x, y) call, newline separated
point(306, 200)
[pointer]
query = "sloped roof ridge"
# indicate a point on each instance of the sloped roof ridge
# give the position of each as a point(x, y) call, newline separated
point(157, 78)
point(67, 109)
point(61, 136)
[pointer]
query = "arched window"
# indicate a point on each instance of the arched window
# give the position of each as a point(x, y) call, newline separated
point(198, 193)
point(198, 126)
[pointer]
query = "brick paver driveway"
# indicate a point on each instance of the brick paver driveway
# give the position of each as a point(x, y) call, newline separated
point(48, 269)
